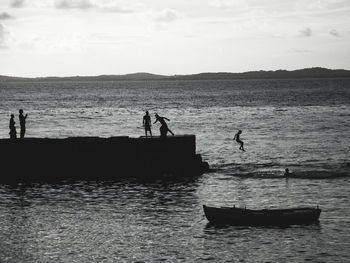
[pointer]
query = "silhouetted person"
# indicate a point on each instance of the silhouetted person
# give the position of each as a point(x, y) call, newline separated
point(237, 139)
point(22, 122)
point(287, 172)
point(147, 123)
point(13, 132)
point(164, 128)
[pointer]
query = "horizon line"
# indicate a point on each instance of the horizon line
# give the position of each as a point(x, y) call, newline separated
point(175, 75)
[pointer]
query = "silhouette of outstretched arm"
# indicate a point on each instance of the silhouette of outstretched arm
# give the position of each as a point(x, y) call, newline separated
point(166, 119)
point(155, 121)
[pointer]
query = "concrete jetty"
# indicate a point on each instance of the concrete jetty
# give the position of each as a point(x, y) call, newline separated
point(95, 158)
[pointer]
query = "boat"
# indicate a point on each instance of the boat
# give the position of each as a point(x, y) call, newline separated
point(243, 216)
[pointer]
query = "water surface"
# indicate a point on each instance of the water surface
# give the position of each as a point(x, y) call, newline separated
point(299, 124)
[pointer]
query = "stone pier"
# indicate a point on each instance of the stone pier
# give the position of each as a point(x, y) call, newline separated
point(95, 158)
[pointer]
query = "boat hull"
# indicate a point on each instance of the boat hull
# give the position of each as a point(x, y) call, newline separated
point(239, 216)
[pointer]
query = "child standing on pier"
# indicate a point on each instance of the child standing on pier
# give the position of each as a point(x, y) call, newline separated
point(147, 123)
point(13, 132)
point(22, 122)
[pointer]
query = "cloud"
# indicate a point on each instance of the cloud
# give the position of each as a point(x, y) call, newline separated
point(104, 6)
point(296, 50)
point(5, 16)
point(17, 3)
point(334, 32)
point(3, 35)
point(114, 8)
point(167, 16)
point(228, 3)
point(73, 4)
point(306, 32)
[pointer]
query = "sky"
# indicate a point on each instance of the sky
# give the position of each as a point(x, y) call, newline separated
point(95, 37)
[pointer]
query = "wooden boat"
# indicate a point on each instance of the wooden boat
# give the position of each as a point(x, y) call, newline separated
point(242, 216)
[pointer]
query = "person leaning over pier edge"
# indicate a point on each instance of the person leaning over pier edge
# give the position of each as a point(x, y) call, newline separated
point(13, 132)
point(164, 128)
point(22, 122)
point(147, 123)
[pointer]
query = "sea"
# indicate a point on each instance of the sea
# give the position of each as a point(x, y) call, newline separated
point(299, 124)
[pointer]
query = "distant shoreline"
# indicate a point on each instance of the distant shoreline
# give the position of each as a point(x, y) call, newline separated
point(316, 72)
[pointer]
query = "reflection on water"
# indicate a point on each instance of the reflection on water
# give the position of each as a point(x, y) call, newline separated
point(133, 221)
point(266, 244)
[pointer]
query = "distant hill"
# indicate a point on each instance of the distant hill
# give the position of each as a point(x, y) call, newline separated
point(278, 74)
point(134, 76)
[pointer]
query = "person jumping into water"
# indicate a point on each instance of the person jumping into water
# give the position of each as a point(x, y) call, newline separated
point(237, 139)
point(164, 128)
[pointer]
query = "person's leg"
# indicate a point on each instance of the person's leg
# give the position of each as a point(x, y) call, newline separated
point(241, 144)
point(164, 130)
point(170, 131)
point(242, 148)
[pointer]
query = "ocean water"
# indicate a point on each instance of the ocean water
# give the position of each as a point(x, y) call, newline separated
point(302, 125)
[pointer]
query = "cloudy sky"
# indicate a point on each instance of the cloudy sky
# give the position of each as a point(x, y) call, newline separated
point(93, 37)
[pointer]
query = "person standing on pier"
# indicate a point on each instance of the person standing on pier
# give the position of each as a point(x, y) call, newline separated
point(22, 122)
point(147, 123)
point(13, 132)
point(237, 139)
point(164, 128)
